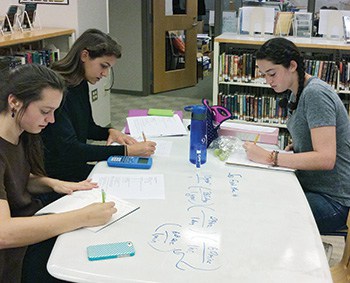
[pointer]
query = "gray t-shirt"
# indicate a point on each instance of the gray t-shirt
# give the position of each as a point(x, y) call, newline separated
point(320, 106)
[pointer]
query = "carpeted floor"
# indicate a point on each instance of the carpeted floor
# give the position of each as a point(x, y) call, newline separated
point(175, 100)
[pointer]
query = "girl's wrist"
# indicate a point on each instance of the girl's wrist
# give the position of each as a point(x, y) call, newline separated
point(273, 158)
point(53, 183)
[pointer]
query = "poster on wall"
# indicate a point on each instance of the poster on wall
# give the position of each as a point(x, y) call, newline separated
point(58, 2)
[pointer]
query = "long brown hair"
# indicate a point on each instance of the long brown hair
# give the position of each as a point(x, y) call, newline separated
point(26, 83)
point(97, 43)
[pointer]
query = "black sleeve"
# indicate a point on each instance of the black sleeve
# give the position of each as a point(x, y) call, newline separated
point(61, 143)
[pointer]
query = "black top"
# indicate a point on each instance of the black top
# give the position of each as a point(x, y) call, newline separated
point(65, 141)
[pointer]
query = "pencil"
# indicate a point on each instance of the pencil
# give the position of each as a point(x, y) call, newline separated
point(103, 196)
point(256, 138)
point(144, 136)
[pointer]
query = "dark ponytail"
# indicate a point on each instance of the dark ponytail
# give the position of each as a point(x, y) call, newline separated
point(281, 51)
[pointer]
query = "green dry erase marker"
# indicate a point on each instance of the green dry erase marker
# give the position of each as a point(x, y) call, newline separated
point(103, 196)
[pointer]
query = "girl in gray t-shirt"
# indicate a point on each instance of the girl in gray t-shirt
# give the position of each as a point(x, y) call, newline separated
point(320, 129)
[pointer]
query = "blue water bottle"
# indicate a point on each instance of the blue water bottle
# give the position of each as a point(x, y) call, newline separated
point(198, 135)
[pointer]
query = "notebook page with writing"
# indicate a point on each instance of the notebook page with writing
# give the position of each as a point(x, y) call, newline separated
point(156, 126)
point(239, 157)
point(80, 199)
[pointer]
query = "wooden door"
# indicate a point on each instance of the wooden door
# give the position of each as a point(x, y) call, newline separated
point(174, 44)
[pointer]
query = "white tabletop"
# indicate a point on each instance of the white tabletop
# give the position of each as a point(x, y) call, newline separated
point(218, 223)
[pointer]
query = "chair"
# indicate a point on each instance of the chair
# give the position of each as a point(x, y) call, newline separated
point(341, 271)
point(173, 55)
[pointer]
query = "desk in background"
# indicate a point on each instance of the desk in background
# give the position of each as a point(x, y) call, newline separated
point(217, 224)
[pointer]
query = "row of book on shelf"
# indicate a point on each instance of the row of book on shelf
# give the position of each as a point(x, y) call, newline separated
point(242, 68)
point(254, 107)
point(43, 57)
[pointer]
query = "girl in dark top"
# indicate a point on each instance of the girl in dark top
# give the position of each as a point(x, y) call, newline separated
point(29, 95)
point(66, 148)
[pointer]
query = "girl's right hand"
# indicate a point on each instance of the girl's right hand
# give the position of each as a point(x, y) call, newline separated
point(97, 213)
point(146, 148)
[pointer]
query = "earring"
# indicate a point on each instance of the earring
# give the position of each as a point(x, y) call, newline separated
point(13, 112)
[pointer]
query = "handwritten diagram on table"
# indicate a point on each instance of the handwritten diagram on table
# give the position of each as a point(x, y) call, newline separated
point(195, 242)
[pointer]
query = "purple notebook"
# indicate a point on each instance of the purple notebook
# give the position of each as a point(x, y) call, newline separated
point(144, 112)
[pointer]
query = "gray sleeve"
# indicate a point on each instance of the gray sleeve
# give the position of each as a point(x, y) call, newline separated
point(320, 106)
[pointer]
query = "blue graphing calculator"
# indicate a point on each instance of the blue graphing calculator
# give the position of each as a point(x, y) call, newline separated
point(129, 162)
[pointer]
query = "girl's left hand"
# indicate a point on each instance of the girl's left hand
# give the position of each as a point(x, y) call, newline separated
point(63, 187)
point(119, 137)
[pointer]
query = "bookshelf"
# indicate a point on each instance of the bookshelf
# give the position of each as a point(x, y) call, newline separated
point(17, 42)
point(237, 86)
point(34, 35)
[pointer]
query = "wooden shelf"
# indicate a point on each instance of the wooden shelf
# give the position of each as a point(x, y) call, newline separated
point(273, 125)
point(19, 37)
point(312, 43)
point(252, 84)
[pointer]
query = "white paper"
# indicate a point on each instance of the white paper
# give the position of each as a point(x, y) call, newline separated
point(168, 7)
point(239, 157)
point(260, 18)
point(156, 126)
point(80, 199)
point(229, 21)
point(346, 21)
point(331, 22)
point(131, 186)
point(163, 148)
point(211, 17)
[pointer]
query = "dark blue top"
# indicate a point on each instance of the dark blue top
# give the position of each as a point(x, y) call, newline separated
point(65, 141)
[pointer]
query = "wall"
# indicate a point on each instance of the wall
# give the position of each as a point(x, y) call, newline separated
point(340, 4)
point(126, 26)
point(51, 15)
point(93, 14)
point(79, 15)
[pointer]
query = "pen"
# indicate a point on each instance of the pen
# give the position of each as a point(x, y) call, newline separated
point(256, 138)
point(103, 195)
point(144, 136)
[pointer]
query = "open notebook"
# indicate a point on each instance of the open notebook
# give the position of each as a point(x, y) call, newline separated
point(239, 157)
point(79, 199)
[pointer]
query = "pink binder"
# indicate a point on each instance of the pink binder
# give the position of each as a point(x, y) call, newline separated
point(144, 112)
point(235, 130)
